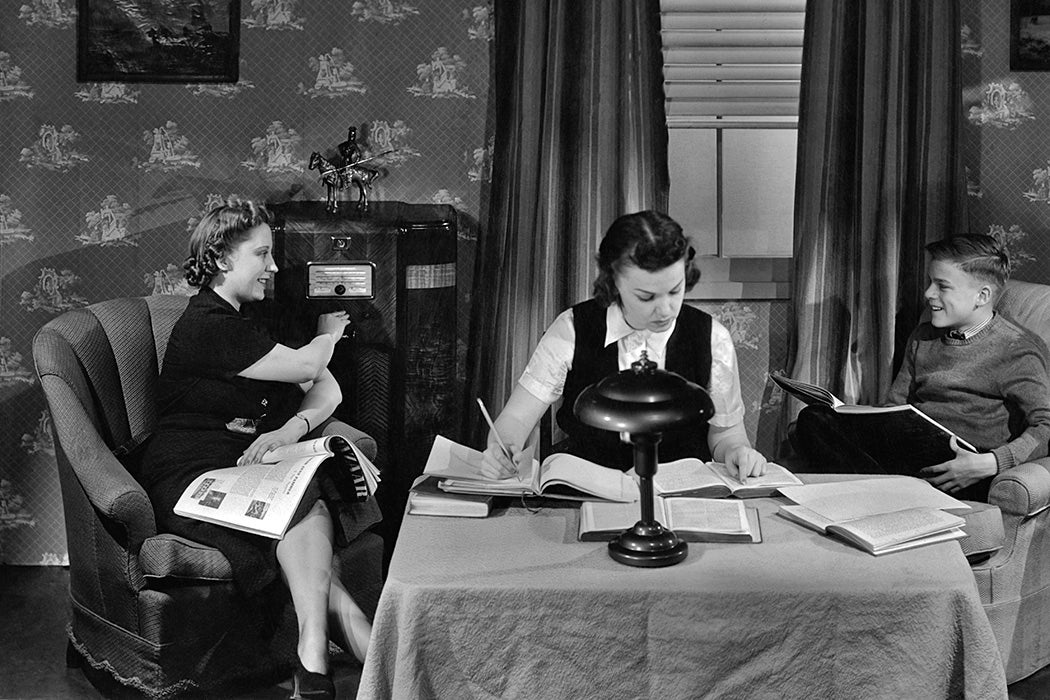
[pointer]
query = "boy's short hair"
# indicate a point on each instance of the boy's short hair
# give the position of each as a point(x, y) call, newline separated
point(981, 256)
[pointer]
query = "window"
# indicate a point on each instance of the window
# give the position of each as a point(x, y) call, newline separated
point(731, 82)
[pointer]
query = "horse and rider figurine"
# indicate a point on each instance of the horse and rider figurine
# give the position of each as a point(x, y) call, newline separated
point(351, 172)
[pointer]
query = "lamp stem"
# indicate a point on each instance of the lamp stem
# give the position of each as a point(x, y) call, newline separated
point(645, 462)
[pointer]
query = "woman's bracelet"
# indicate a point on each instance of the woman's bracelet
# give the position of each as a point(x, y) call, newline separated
point(305, 420)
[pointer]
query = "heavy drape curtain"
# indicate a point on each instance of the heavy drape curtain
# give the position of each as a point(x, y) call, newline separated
point(878, 177)
point(579, 140)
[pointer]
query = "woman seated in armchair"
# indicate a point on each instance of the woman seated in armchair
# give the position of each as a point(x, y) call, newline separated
point(228, 393)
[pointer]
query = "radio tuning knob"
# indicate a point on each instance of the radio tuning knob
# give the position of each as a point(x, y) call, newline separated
point(339, 289)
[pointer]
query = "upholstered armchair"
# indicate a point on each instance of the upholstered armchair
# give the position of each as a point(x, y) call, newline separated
point(1015, 582)
point(156, 611)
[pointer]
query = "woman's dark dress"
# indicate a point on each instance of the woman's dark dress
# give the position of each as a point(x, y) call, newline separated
point(200, 397)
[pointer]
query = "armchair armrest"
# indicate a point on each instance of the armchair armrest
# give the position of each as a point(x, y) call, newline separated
point(109, 487)
point(1024, 490)
point(364, 442)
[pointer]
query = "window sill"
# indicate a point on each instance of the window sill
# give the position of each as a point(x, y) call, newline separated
point(739, 290)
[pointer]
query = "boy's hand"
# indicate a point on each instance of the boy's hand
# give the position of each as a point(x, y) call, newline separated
point(965, 469)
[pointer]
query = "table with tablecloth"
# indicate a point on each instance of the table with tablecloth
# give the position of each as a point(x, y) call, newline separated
point(513, 606)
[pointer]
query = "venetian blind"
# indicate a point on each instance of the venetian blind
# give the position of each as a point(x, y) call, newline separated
point(732, 62)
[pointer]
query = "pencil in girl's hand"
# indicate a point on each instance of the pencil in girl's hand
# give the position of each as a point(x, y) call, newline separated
point(488, 419)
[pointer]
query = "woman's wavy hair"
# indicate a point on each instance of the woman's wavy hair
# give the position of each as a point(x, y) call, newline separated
point(978, 255)
point(646, 239)
point(218, 233)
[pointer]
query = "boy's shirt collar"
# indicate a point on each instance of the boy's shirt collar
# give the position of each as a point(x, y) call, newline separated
point(967, 334)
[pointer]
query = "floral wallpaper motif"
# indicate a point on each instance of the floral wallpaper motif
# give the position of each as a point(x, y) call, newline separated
point(100, 183)
point(1007, 166)
point(1003, 105)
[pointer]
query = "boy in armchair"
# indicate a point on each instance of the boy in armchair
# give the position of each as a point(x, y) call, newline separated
point(969, 368)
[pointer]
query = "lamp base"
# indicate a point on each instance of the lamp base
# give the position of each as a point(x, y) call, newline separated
point(648, 544)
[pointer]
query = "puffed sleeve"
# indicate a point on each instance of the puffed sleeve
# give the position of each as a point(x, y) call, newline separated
point(544, 376)
point(725, 378)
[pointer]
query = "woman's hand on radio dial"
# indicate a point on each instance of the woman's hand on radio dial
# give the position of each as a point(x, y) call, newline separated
point(334, 324)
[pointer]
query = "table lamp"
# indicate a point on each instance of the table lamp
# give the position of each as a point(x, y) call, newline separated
point(644, 401)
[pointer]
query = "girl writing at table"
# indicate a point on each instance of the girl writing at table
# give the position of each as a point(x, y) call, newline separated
point(645, 267)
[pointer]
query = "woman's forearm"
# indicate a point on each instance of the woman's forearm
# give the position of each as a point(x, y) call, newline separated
point(319, 402)
point(721, 440)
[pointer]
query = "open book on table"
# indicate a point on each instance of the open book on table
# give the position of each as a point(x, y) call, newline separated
point(261, 498)
point(426, 498)
point(883, 533)
point(890, 434)
point(879, 515)
point(559, 476)
point(693, 477)
point(692, 519)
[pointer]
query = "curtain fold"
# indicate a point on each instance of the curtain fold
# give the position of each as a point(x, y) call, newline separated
point(579, 140)
point(878, 176)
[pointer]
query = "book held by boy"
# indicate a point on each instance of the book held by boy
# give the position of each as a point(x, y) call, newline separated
point(558, 476)
point(426, 498)
point(692, 519)
point(261, 498)
point(890, 434)
point(693, 477)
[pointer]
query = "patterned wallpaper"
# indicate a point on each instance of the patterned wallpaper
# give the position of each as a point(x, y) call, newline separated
point(100, 184)
point(1005, 145)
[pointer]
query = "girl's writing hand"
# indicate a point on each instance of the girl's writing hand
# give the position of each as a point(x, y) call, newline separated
point(496, 465)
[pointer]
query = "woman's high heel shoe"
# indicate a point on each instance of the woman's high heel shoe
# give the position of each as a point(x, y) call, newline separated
point(308, 685)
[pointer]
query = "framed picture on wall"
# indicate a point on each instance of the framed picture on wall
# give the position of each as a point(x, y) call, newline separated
point(1030, 35)
point(158, 41)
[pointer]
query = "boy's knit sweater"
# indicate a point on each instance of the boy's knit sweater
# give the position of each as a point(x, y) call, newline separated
point(991, 389)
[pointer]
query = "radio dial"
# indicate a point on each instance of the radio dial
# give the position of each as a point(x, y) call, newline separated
point(340, 289)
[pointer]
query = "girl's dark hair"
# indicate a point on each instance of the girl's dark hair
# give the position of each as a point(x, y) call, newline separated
point(981, 256)
point(646, 239)
point(219, 232)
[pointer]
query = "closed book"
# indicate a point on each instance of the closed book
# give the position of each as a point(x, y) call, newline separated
point(425, 498)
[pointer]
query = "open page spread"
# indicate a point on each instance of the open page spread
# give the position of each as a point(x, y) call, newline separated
point(877, 532)
point(559, 476)
point(256, 498)
point(713, 480)
point(693, 519)
point(261, 498)
point(856, 498)
point(877, 515)
point(571, 476)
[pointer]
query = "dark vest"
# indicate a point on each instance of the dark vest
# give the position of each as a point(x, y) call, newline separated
point(688, 354)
